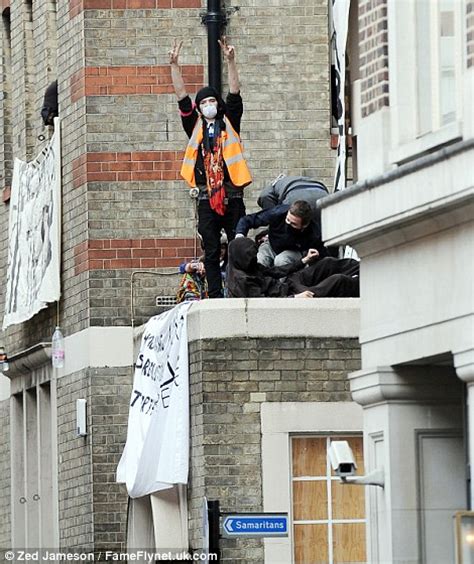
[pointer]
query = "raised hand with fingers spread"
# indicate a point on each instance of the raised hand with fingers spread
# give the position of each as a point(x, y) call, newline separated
point(229, 55)
point(228, 50)
point(174, 52)
point(176, 76)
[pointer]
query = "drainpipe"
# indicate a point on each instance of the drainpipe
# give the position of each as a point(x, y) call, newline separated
point(215, 20)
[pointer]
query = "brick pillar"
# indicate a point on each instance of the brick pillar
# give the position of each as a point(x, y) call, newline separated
point(373, 44)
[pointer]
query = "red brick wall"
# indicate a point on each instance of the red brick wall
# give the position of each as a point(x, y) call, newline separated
point(373, 44)
point(123, 167)
point(112, 254)
point(108, 81)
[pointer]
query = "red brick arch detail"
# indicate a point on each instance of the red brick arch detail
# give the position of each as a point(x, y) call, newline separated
point(121, 254)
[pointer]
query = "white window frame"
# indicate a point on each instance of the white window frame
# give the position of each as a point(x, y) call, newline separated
point(280, 421)
point(406, 141)
point(327, 479)
point(34, 483)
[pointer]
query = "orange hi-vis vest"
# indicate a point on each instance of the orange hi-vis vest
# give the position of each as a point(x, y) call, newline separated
point(231, 151)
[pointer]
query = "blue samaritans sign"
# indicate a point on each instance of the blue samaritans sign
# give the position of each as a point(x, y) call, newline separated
point(255, 525)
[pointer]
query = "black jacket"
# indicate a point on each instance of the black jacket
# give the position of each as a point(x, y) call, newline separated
point(248, 279)
point(328, 277)
point(283, 237)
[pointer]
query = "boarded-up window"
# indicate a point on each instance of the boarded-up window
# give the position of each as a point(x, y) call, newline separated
point(328, 517)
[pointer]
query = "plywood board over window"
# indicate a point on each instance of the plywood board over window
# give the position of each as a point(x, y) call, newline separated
point(328, 517)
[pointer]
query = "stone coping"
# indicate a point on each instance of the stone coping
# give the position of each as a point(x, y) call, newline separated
point(274, 317)
point(271, 318)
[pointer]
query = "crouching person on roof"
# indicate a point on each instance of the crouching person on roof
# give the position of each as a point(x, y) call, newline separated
point(213, 160)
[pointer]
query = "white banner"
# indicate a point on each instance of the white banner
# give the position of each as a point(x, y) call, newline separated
point(156, 454)
point(340, 21)
point(34, 235)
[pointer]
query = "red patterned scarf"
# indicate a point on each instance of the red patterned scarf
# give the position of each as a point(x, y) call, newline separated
point(214, 167)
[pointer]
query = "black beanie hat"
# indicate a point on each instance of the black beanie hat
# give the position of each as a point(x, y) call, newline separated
point(207, 92)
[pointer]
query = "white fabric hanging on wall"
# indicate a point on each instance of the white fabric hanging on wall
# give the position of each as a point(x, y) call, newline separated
point(34, 234)
point(156, 453)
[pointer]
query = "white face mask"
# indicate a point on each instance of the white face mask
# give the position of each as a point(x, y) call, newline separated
point(209, 111)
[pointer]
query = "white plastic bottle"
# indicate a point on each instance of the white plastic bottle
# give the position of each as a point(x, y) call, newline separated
point(57, 346)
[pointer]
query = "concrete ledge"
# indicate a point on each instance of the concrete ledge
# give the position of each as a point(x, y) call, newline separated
point(97, 347)
point(274, 317)
point(28, 360)
point(402, 208)
point(405, 383)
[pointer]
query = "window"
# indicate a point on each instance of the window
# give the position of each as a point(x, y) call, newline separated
point(283, 423)
point(328, 517)
point(425, 58)
point(436, 64)
point(34, 509)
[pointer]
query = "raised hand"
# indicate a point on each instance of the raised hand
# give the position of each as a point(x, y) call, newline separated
point(227, 50)
point(229, 55)
point(174, 52)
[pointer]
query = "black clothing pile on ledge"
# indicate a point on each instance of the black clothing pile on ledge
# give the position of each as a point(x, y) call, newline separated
point(327, 277)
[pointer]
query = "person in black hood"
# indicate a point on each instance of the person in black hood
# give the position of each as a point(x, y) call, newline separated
point(50, 104)
point(328, 277)
point(213, 160)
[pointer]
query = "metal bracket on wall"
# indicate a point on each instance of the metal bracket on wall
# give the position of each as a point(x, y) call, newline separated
point(223, 17)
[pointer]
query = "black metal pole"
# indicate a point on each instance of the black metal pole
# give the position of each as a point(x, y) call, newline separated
point(214, 19)
point(214, 513)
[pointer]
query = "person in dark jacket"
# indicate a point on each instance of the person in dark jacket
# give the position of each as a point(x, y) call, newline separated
point(291, 232)
point(50, 104)
point(213, 162)
point(328, 277)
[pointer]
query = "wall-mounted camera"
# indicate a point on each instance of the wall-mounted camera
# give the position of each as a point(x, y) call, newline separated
point(342, 459)
point(343, 463)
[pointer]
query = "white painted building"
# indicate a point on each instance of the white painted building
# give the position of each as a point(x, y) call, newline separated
point(410, 216)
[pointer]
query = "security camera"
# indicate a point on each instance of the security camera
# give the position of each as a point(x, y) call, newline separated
point(343, 463)
point(342, 459)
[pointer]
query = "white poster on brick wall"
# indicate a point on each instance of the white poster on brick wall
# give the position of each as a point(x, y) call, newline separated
point(34, 234)
point(340, 26)
point(156, 452)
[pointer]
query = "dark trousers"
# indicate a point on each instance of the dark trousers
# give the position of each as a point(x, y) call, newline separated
point(210, 225)
point(328, 278)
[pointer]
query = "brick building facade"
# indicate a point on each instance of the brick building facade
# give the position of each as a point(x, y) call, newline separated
point(125, 209)
point(226, 412)
point(410, 212)
point(373, 55)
